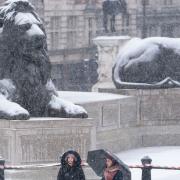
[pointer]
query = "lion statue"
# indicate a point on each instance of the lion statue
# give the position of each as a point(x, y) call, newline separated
point(148, 63)
point(26, 88)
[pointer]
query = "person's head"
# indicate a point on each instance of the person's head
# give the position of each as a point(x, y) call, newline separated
point(70, 159)
point(110, 162)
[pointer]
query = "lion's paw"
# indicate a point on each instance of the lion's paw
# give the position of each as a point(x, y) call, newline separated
point(12, 111)
point(61, 108)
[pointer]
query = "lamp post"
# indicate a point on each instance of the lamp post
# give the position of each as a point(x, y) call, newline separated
point(146, 171)
point(144, 27)
point(2, 162)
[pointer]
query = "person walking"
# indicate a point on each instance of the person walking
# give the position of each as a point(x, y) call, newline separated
point(112, 170)
point(71, 167)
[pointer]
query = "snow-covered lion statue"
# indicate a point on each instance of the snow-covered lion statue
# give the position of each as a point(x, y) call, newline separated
point(26, 88)
point(148, 63)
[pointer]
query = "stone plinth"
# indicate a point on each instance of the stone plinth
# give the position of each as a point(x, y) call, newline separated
point(126, 120)
point(43, 140)
point(155, 106)
point(132, 118)
point(108, 48)
point(158, 118)
point(115, 117)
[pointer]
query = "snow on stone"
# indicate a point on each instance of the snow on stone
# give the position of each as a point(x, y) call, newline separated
point(161, 156)
point(58, 103)
point(11, 108)
point(12, 1)
point(24, 18)
point(34, 30)
point(143, 50)
point(112, 38)
point(10, 4)
point(7, 87)
point(51, 87)
point(88, 97)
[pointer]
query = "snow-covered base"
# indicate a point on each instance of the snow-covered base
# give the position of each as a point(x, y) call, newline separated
point(11, 110)
point(163, 156)
point(68, 108)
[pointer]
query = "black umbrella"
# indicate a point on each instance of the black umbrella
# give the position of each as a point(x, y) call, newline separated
point(97, 159)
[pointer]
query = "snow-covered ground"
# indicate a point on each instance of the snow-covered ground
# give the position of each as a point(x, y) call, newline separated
point(163, 156)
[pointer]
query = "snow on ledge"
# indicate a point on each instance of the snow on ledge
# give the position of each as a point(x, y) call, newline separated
point(88, 97)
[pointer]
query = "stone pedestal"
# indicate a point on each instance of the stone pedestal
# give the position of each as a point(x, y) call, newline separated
point(43, 140)
point(132, 118)
point(155, 106)
point(108, 48)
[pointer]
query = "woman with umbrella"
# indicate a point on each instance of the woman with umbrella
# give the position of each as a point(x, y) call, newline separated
point(107, 165)
point(71, 167)
point(112, 170)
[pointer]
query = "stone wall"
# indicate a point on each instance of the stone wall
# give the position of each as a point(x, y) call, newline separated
point(131, 119)
point(43, 140)
point(151, 119)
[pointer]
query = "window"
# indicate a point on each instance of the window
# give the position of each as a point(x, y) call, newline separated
point(90, 33)
point(80, 1)
point(152, 30)
point(55, 22)
point(145, 2)
point(54, 40)
point(71, 39)
point(72, 20)
point(71, 34)
point(125, 20)
point(168, 2)
point(55, 32)
point(167, 30)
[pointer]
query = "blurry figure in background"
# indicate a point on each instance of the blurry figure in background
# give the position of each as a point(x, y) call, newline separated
point(112, 8)
point(71, 167)
point(112, 170)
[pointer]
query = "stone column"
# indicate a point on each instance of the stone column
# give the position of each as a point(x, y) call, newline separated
point(108, 48)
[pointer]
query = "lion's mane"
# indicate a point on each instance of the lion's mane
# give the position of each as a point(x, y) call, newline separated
point(23, 55)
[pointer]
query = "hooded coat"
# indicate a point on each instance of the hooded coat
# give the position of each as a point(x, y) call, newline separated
point(67, 172)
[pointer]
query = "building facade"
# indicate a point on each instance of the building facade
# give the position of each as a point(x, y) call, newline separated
point(72, 24)
point(155, 18)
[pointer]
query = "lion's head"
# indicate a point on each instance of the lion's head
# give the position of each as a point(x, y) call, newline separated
point(24, 38)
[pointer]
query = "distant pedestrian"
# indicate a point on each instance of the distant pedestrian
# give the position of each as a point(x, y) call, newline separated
point(112, 170)
point(71, 167)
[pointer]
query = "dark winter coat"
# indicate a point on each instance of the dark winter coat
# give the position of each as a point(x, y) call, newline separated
point(67, 172)
point(118, 176)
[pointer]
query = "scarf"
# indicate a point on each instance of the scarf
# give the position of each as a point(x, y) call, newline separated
point(109, 173)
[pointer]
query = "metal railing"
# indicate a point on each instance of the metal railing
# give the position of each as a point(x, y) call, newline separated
point(146, 167)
